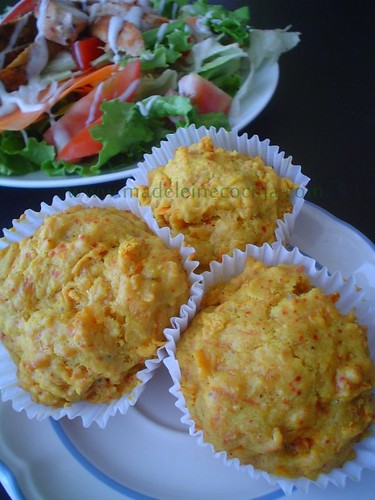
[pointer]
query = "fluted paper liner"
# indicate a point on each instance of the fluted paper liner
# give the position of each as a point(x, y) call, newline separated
point(253, 146)
point(91, 412)
point(350, 298)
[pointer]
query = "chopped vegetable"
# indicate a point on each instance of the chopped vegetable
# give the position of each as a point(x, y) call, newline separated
point(86, 51)
point(21, 8)
point(81, 145)
point(19, 120)
point(204, 94)
point(116, 77)
point(121, 84)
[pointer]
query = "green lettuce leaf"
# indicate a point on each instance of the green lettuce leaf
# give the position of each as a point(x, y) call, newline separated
point(19, 156)
point(128, 130)
point(162, 107)
point(161, 52)
point(152, 37)
point(132, 129)
point(161, 57)
point(227, 24)
point(152, 84)
point(123, 130)
point(217, 120)
point(168, 8)
point(268, 45)
point(221, 64)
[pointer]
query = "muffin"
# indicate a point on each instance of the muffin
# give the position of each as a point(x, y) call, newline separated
point(218, 197)
point(84, 301)
point(275, 375)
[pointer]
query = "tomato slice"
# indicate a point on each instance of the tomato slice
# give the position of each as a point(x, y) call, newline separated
point(81, 145)
point(207, 96)
point(122, 85)
point(86, 50)
point(21, 8)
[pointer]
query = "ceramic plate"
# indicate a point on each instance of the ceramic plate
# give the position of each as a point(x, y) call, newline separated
point(261, 90)
point(148, 454)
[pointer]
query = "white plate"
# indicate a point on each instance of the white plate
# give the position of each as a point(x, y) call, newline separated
point(261, 90)
point(148, 453)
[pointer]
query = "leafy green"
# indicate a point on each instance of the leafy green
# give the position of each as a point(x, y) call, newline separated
point(132, 129)
point(268, 45)
point(161, 57)
point(223, 72)
point(128, 130)
point(157, 84)
point(208, 120)
point(232, 25)
point(221, 64)
point(168, 8)
point(162, 51)
point(151, 37)
point(19, 156)
point(60, 67)
point(229, 83)
point(172, 105)
point(119, 118)
point(221, 54)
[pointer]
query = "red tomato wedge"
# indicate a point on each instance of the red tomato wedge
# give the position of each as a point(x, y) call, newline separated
point(81, 145)
point(86, 50)
point(21, 8)
point(204, 94)
point(122, 85)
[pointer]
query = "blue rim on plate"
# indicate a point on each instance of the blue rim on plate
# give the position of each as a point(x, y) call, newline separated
point(120, 488)
point(8, 478)
point(9, 482)
point(99, 474)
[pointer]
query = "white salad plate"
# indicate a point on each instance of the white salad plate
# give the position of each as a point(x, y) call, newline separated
point(260, 91)
point(148, 453)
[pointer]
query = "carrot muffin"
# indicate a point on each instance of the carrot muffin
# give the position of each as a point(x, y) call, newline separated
point(275, 375)
point(219, 199)
point(84, 301)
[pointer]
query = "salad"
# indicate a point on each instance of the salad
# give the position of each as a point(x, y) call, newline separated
point(88, 86)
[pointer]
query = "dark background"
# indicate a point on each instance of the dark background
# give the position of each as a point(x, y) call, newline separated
point(322, 112)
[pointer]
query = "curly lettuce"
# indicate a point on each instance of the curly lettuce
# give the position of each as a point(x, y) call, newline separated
point(127, 131)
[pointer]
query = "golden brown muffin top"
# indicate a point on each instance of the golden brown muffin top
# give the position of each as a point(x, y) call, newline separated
point(219, 199)
point(275, 375)
point(84, 302)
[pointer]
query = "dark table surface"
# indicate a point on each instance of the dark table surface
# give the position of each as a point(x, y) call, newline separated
point(322, 112)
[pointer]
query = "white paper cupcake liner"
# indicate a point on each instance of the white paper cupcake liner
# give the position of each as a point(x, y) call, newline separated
point(253, 146)
point(92, 412)
point(350, 298)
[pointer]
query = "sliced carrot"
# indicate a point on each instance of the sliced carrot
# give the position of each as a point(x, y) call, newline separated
point(18, 120)
point(90, 78)
point(190, 20)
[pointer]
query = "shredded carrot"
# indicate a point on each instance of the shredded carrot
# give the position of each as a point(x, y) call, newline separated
point(83, 90)
point(91, 78)
point(191, 20)
point(17, 120)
